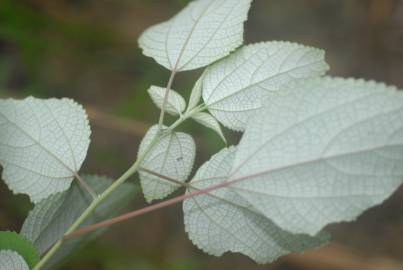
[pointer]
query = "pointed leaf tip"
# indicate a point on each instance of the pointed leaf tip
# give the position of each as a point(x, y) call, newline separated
point(203, 32)
point(175, 103)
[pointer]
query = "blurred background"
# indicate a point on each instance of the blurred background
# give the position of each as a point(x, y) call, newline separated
point(87, 50)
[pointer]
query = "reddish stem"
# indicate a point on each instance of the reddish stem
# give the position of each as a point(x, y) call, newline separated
point(142, 211)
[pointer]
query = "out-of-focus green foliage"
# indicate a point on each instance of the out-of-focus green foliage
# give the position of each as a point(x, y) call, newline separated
point(87, 50)
point(35, 35)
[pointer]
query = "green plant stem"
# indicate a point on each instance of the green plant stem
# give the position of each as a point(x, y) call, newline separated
point(146, 210)
point(183, 118)
point(163, 204)
point(164, 103)
point(132, 170)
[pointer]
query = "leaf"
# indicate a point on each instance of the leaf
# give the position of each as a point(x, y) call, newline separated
point(15, 242)
point(233, 89)
point(320, 152)
point(172, 156)
point(175, 104)
point(223, 221)
point(43, 144)
point(10, 260)
point(203, 32)
point(195, 95)
point(209, 121)
point(51, 218)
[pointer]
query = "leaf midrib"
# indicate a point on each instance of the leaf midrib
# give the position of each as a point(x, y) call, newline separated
point(174, 68)
point(303, 121)
point(259, 82)
point(38, 143)
point(210, 38)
